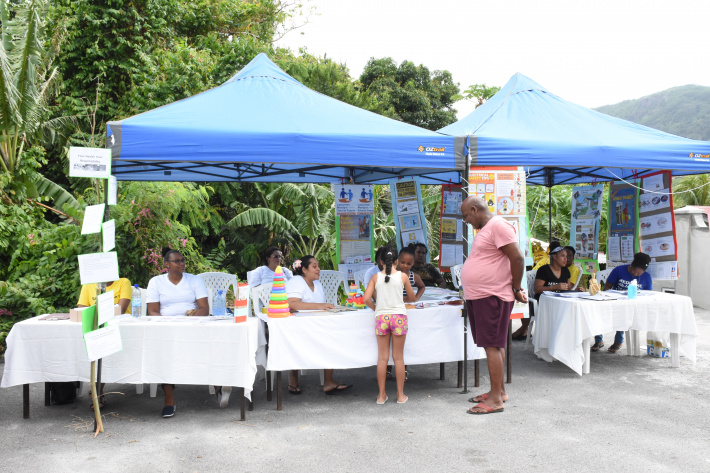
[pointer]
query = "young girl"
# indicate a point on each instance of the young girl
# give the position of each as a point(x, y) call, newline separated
point(390, 319)
point(404, 264)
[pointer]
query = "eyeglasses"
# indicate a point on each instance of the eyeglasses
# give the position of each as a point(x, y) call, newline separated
point(177, 261)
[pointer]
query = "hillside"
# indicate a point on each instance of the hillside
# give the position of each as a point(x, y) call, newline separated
point(683, 111)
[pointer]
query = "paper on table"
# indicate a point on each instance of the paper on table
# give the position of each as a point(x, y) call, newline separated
point(105, 305)
point(93, 217)
point(109, 234)
point(448, 255)
point(98, 267)
point(103, 342)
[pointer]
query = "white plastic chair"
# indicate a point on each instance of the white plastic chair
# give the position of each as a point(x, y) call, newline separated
point(579, 277)
point(260, 296)
point(218, 281)
point(250, 276)
point(602, 276)
point(456, 275)
point(359, 277)
point(330, 281)
point(531, 298)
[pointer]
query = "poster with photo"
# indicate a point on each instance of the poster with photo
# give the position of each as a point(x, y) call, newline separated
point(451, 228)
point(622, 239)
point(586, 217)
point(410, 226)
point(503, 190)
point(354, 238)
point(657, 233)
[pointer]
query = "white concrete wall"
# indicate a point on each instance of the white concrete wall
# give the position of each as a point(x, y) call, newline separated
point(693, 235)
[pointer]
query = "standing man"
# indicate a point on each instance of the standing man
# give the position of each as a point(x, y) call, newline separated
point(491, 279)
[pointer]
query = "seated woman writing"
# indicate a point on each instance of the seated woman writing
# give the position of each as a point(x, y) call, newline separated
point(265, 274)
point(304, 291)
point(551, 277)
point(176, 293)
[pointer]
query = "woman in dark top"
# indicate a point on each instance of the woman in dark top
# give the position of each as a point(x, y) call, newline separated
point(554, 276)
point(551, 277)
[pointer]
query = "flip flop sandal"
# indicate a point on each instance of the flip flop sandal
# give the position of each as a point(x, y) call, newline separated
point(597, 346)
point(295, 390)
point(481, 398)
point(614, 348)
point(338, 389)
point(486, 410)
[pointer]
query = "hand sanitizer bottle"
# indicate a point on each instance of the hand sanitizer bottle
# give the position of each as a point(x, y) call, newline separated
point(633, 289)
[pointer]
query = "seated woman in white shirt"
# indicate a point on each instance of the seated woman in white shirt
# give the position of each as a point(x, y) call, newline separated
point(176, 293)
point(265, 274)
point(304, 292)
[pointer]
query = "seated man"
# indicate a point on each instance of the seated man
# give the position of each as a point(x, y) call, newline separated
point(573, 268)
point(619, 279)
point(121, 294)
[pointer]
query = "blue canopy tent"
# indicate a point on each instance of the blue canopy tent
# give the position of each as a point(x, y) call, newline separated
point(263, 125)
point(524, 124)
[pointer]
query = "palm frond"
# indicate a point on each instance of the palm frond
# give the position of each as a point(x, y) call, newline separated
point(54, 191)
point(266, 217)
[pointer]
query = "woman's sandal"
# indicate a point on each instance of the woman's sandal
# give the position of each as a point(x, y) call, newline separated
point(102, 402)
point(294, 389)
point(597, 346)
point(614, 348)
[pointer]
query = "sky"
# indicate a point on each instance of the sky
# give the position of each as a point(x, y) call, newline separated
point(591, 53)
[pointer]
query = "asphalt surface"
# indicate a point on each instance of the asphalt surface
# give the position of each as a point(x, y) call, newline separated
point(628, 414)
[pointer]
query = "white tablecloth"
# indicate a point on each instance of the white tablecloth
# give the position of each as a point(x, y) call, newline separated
point(320, 340)
point(221, 353)
point(562, 324)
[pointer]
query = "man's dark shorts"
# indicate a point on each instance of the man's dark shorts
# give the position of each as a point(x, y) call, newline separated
point(489, 318)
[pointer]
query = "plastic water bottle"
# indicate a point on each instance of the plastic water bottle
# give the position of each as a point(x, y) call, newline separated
point(136, 302)
point(632, 290)
point(219, 304)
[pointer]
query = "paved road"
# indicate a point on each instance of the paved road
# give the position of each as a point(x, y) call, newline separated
point(628, 414)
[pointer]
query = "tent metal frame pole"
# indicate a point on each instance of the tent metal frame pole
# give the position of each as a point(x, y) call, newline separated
point(549, 213)
point(464, 312)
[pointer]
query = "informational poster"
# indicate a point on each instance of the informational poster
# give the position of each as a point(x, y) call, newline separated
point(353, 199)
point(503, 190)
point(586, 217)
point(622, 241)
point(409, 221)
point(89, 162)
point(354, 237)
point(451, 236)
point(657, 234)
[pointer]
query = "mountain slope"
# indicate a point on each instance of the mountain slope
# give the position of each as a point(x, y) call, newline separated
point(683, 111)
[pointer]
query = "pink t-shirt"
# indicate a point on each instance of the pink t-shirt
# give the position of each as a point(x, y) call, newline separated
point(486, 271)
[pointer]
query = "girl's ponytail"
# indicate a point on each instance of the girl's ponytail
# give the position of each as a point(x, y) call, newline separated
point(388, 257)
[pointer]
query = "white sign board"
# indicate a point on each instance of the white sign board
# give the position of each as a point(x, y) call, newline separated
point(98, 267)
point(89, 162)
point(353, 199)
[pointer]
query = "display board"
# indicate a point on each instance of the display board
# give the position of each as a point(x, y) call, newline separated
point(409, 221)
point(657, 233)
point(354, 206)
point(503, 189)
point(451, 235)
point(584, 228)
point(622, 241)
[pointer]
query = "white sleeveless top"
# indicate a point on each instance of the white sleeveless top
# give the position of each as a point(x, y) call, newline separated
point(389, 294)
